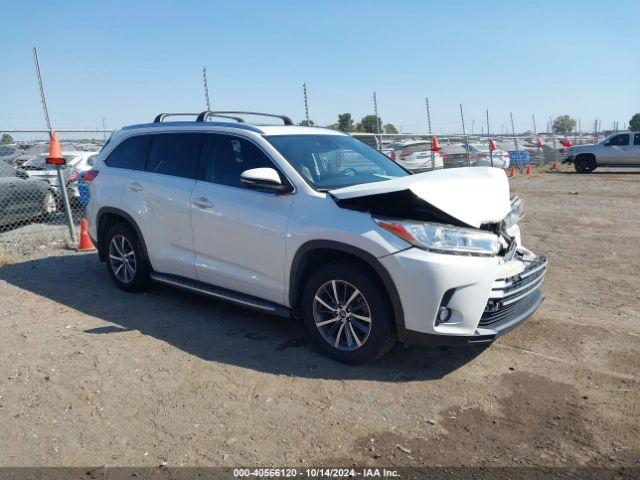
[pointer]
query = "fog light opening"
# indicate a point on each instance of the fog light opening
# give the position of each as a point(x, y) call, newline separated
point(444, 314)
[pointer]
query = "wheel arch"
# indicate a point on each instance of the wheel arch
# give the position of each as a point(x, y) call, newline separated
point(314, 253)
point(109, 216)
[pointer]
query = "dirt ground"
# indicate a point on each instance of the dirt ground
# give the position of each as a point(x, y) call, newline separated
point(93, 376)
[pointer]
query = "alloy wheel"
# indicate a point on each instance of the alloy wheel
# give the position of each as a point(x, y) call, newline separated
point(342, 315)
point(122, 259)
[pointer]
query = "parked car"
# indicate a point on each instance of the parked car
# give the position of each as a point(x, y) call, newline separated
point(9, 153)
point(481, 156)
point(282, 220)
point(518, 155)
point(22, 198)
point(414, 155)
point(454, 155)
point(617, 150)
point(77, 161)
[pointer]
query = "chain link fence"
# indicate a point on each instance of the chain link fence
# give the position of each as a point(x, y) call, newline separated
point(32, 213)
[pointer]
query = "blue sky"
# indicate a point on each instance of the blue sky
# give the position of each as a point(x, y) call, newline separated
point(128, 60)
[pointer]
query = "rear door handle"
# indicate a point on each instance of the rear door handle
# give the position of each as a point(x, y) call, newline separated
point(202, 202)
point(135, 186)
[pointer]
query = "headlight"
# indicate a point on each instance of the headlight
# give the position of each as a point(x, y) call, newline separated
point(516, 214)
point(443, 238)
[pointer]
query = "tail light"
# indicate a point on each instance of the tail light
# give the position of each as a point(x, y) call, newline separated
point(73, 177)
point(445, 157)
point(393, 155)
point(90, 175)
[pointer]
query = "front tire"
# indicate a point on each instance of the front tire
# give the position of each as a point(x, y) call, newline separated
point(126, 262)
point(584, 164)
point(347, 313)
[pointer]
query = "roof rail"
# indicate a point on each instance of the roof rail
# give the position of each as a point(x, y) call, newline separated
point(205, 115)
point(161, 116)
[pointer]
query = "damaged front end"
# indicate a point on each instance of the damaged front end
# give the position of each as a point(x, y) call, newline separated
point(455, 214)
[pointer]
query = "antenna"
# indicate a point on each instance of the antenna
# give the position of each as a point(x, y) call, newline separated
point(428, 115)
point(488, 123)
point(43, 98)
point(378, 122)
point(466, 138)
point(535, 129)
point(206, 88)
point(306, 103)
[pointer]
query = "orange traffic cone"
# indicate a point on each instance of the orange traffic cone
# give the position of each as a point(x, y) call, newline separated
point(85, 241)
point(528, 169)
point(554, 165)
point(512, 173)
point(55, 151)
point(492, 145)
point(435, 146)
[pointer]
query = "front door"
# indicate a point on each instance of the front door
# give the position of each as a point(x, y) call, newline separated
point(239, 234)
point(616, 150)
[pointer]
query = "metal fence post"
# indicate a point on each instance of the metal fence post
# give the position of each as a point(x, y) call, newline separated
point(61, 184)
point(65, 201)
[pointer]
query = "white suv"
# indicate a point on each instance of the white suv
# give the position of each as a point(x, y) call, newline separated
point(311, 223)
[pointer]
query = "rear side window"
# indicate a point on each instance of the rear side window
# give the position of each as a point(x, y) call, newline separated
point(130, 154)
point(636, 138)
point(226, 157)
point(175, 154)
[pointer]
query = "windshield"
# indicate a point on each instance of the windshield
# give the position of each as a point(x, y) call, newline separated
point(335, 161)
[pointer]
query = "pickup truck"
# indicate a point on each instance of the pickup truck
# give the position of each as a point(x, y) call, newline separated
point(618, 150)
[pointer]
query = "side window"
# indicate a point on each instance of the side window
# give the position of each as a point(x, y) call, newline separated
point(619, 140)
point(226, 157)
point(130, 154)
point(175, 154)
point(636, 138)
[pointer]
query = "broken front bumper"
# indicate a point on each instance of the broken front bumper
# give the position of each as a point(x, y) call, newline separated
point(487, 297)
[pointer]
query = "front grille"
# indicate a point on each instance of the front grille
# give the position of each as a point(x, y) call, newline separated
point(509, 295)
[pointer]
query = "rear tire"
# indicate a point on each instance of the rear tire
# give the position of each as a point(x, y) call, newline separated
point(347, 313)
point(125, 259)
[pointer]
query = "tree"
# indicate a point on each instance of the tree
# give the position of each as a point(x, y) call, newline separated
point(345, 122)
point(370, 125)
point(6, 138)
point(634, 123)
point(309, 123)
point(390, 128)
point(564, 124)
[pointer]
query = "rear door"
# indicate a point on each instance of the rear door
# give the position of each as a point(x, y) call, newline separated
point(634, 151)
point(158, 198)
point(239, 234)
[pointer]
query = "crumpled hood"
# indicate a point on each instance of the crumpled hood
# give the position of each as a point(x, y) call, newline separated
point(473, 195)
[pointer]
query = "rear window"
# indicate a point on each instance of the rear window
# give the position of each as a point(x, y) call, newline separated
point(130, 154)
point(175, 154)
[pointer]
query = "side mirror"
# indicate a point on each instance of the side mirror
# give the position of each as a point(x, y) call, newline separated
point(607, 143)
point(264, 179)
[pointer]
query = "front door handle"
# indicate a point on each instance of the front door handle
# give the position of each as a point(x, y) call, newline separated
point(202, 202)
point(135, 186)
